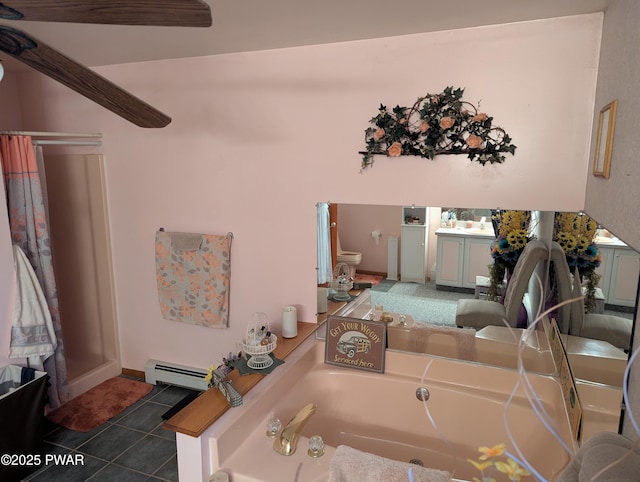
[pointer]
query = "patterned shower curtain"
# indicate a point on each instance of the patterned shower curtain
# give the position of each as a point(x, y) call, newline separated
point(28, 225)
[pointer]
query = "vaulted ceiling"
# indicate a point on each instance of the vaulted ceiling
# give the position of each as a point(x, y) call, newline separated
point(246, 25)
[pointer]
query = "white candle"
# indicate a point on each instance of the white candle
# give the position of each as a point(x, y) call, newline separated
point(322, 299)
point(289, 322)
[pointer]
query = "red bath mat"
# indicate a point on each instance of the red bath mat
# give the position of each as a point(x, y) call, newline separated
point(96, 406)
point(368, 278)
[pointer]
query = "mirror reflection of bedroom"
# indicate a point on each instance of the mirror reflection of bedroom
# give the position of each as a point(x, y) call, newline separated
point(417, 266)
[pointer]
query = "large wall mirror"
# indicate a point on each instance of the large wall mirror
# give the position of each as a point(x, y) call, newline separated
point(441, 255)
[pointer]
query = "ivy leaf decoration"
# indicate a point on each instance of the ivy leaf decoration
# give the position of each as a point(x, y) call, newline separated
point(436, 124)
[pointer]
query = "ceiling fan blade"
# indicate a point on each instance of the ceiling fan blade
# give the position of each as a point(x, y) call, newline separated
point(77, 77)
point(180, 13)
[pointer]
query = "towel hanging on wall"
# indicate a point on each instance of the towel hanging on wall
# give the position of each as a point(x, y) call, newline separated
point(193, 273)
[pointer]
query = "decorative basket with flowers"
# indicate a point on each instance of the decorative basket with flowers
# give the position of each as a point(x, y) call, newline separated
point(575, 233)
point(512, 235)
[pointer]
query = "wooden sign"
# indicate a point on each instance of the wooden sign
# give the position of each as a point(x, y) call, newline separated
point(356, 343)
point(567, 381)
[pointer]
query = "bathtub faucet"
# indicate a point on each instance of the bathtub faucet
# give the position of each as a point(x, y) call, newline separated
point(221, 383)
point(285, 444)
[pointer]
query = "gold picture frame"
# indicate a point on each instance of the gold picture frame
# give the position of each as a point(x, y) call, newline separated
point(604, 140)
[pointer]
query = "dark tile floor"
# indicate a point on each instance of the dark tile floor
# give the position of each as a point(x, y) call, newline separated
point(132, 446)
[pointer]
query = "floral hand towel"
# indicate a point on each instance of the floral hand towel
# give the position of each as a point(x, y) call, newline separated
point(193, 273)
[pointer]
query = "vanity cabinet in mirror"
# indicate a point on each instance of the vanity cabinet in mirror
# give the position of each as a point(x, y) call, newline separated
point(456, 255)
point(619, 272)
point(414, 245)
point(462, 256)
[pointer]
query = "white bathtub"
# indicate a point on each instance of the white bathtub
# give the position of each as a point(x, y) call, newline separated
point(379, 413)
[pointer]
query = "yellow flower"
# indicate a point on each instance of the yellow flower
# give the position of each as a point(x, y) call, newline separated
point(583, 243)
point(488, 452)
point(511, 469)
point(480, 465)
point(567, 240)
point(209, 375)
point(513, 220)
point(517, 239)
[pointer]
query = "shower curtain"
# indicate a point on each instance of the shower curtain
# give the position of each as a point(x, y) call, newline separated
point(28, 225)
point(325, 273)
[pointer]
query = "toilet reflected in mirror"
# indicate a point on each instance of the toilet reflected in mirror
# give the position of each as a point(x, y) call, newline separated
point(351, 258)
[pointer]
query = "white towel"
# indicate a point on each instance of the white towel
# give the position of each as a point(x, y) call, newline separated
point(352, 465)
point(32, 333)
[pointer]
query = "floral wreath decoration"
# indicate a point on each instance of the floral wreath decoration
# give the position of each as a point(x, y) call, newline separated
point(436, 124)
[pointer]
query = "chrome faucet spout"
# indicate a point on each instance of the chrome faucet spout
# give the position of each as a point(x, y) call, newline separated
point(286, 443)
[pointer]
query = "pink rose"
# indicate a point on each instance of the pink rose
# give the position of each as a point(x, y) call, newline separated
point(424, 126)
point(447, 122)
point(402, 121)
point(479, 117)
point(395, 149)
point(379, 134)
point(474, 142)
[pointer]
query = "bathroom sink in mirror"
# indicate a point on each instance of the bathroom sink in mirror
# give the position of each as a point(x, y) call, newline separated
point(376, 232)
point(607, 240)
point(483, 231)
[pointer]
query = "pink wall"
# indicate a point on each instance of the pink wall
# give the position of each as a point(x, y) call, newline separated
point(10, 114)
point(355, 224)
point(258, 138)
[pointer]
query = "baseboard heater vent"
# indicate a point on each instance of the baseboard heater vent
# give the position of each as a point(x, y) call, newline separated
point(156, 371)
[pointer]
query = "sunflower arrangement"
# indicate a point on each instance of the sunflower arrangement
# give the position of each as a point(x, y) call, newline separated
point(436, 124)
point(575, 233)
point(512, 235)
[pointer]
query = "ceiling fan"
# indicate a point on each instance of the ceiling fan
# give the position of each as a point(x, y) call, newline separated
point(45, 59)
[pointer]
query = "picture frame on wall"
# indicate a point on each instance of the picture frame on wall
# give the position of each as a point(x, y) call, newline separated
point(604, 140)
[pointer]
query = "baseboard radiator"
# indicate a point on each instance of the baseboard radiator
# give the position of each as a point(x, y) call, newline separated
point(156, 371)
